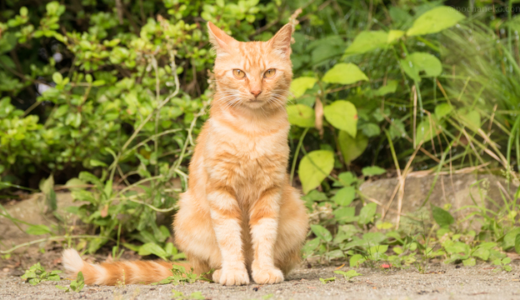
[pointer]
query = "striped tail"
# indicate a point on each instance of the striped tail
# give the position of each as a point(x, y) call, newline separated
point(124, 272)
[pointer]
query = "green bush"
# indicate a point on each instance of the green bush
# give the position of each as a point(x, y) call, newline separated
point(109, 99)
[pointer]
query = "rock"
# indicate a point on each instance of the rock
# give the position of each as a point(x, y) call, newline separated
point(464, 192)
point(31, 211)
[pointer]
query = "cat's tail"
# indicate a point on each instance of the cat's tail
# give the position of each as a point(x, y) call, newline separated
point(113, 273)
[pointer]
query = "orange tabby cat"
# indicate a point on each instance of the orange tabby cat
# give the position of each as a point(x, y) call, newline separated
point(240, 215)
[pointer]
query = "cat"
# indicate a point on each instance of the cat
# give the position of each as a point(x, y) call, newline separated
point(240, 215)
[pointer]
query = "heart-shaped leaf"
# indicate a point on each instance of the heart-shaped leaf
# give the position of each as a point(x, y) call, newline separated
point(315, 167)
point(419, 61)
point(342, 115)
point(435, 20)
point(301, 84)
point(350, 147)
point(301, 115)
point(344, 74)
point(321, 232)
point(367, 41)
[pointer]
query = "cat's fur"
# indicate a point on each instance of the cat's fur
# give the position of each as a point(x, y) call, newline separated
point(240, 215)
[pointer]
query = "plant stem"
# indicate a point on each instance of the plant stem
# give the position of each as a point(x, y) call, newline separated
point(293, 167)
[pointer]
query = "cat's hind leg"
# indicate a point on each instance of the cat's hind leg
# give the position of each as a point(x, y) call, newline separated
point(292, 230)
point(194, 235)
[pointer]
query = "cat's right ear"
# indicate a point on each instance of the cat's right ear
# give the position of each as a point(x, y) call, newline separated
point(222, 42)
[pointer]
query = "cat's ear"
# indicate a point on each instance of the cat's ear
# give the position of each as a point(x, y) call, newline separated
point(281, 41)
point(223, 43)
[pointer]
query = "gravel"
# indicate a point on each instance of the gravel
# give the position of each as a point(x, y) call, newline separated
point(436, 282)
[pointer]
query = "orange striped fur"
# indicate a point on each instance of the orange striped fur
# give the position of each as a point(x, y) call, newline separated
point(240, 216)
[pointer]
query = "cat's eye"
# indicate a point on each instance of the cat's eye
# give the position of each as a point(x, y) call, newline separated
point(239, 74)
point(269, 73)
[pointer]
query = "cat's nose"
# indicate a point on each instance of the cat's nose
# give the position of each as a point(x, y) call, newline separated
point(256, 92)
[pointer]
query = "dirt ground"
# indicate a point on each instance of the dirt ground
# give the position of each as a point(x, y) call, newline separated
point(436, 282)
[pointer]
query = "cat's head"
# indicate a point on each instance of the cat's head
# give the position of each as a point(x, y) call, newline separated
point(252, 74)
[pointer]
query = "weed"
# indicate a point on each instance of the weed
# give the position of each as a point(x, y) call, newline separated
point(180, 276)
point(37, 274)
point(327, 280)
point(180, 295)
point(349, 274)
point(503, 264)
point(75, 285)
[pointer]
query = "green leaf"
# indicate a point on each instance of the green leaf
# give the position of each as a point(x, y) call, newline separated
point(442, 217)
point(23, 11)
point(75, 184)
point(344, 74)
point(470, 118)
point(311, 245)
point(197, 296)
point(442, 110)
point(349, 274)
point(390, 87)
point(352, 148)
point(78, 284)
point(38, 230)
point(314, 196)
point(517, 243)
point(419, 61)
point(435, 20)
point(97, 163)
point(356, 260)
point(510, 238)
point(57, 78)
point(373, 170)
point(301, 84)
point(394, 35)
point(367, 41)
point(427, 129)
point(346, 179)
point(321, 232)
point(457, 248)
point(301, 115)
point(481, 253)
point(367, 213)
point(63, 288)
point(370, 129)
point(152, 248)
point(398, 250)
point(315, 167)
point(345, 196)
point(373, 238)
point(342, 115)
point(47, 188)
point(345, 214)
point(469, 262)
point(325, 280)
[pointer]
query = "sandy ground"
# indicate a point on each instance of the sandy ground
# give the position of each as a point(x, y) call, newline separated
point(437, 282)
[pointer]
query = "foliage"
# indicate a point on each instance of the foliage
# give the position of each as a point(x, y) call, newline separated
point(349, 274)
point(108, 102)
point(37, 274)
point(76, 285)
point(194, 295)
point(180, 276)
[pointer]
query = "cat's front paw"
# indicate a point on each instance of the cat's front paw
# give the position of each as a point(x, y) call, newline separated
point(233, 276)
point(267, 276)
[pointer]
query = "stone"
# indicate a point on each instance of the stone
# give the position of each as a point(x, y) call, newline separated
point(32, 211)
point(463, 192)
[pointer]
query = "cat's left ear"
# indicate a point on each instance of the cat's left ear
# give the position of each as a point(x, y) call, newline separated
point(223, 43)
point(281, 41)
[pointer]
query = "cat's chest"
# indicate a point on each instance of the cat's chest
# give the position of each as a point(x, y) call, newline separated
point(247, 159)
